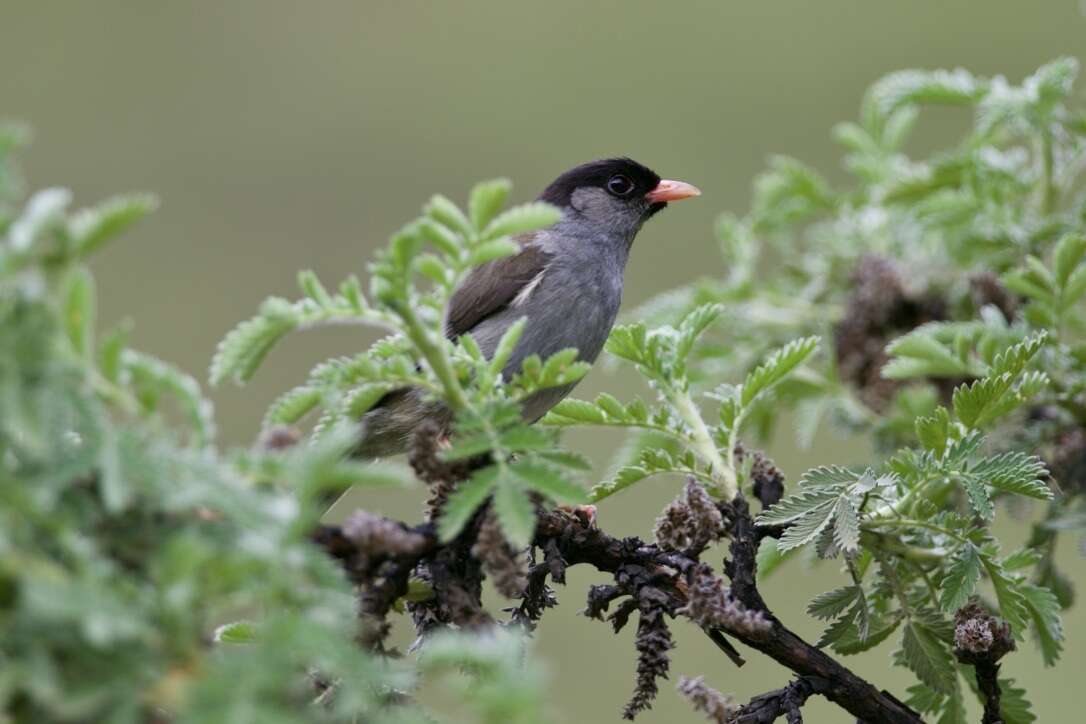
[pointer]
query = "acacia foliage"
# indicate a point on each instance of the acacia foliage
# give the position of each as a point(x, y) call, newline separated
point(145, 575)
point(932, 303)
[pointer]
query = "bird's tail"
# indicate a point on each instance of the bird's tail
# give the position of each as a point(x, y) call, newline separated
point(388, 426)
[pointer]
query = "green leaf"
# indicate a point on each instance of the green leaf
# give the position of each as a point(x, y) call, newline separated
point(448, 214)
point(1044, 611)
point(113, 484)
point(928, 657)
point(571, 411)
point(521, 438)
point(961, 577)
point(910, 87)
point(237, 632)
point(1013, 704)
point(549, 481)
point(693, 324)
point(846, 525)
point(989, 398)
point(799, 504)
point(44, 211)
point(831, 603)
point(486, 200)
point(80, 311)
point(649, 461)
point(567, 459)
point(491, 250)
point(521, 219)
point(361, 399)
point(441, 236)
point(841, 629)
point(1066, 257)
point(515, 512)
point(850, 642)
point(111, 351)
point(465, 500)
point(91, 228)
point(776, 367)
point(769, 557)
point(311, 286)
point(628, 342)
point(1009, 592)
point(561, 368)
point(1014, 472)
point(292, 406)
point(807, 528)
point(959, 451)
point(828, 475)
point(1023, 558)
point(978, 498)
point(151, 378)
point(506, 345)
point(611, 406)
point(933, 431)
point(954, 708)
point(243, 349)
point(920, 354)
point(623, 478)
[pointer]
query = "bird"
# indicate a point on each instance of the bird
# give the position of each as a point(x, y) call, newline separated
point(566, 280)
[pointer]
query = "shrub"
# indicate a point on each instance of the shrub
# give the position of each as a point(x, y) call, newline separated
point(933, 304)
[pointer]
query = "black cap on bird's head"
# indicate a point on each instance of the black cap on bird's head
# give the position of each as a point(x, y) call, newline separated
point(615, 185)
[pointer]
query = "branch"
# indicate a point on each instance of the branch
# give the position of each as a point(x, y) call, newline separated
point(379, 556)
point(580, 544)
point(786, 701)
point(658, 581)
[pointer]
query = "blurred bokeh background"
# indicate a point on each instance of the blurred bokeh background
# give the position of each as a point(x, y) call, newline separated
point(285, 135)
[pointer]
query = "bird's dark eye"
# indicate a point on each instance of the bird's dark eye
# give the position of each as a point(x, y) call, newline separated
point(619, 185)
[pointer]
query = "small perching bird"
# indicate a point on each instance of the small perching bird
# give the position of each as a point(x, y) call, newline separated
point(566, 280)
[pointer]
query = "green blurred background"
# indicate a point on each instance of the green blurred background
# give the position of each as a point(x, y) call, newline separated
point(283, 135)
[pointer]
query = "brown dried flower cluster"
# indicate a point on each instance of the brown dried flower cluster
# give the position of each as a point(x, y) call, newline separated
point(376, 534)
point(979, 636)
point(766, 478)
point(508, 569)
point(690, 522)
point(882, 306)
point(711, 605)
point(442, 476)
point(718, 708)
point(653, 642)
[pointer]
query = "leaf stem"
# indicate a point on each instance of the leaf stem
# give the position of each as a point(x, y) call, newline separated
point(435, 355)
point(723, 470)
point(909, 523)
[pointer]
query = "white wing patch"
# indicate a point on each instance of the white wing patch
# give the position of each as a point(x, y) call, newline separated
point(523, 294)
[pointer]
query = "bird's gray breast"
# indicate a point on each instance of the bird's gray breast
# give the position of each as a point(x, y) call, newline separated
point(572, 303)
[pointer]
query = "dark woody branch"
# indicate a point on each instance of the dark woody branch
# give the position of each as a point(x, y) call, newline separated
point(658, 581)
point(668, 573)
point(786, 701)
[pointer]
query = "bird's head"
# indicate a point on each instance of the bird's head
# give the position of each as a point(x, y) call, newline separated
point(616, 194)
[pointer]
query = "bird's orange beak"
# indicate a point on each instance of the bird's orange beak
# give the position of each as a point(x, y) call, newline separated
point(668, 190)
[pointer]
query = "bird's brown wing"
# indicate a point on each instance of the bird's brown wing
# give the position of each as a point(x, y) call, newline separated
point(492, 287)
point(488, 289)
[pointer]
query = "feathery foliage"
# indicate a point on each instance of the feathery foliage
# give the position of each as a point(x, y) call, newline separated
point(947, 292)
point(933, 304)
point(129, 543)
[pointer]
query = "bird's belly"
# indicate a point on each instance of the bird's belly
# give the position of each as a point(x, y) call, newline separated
point(559, 316)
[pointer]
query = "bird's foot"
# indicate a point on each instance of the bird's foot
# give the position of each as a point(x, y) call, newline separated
point(586, 514)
